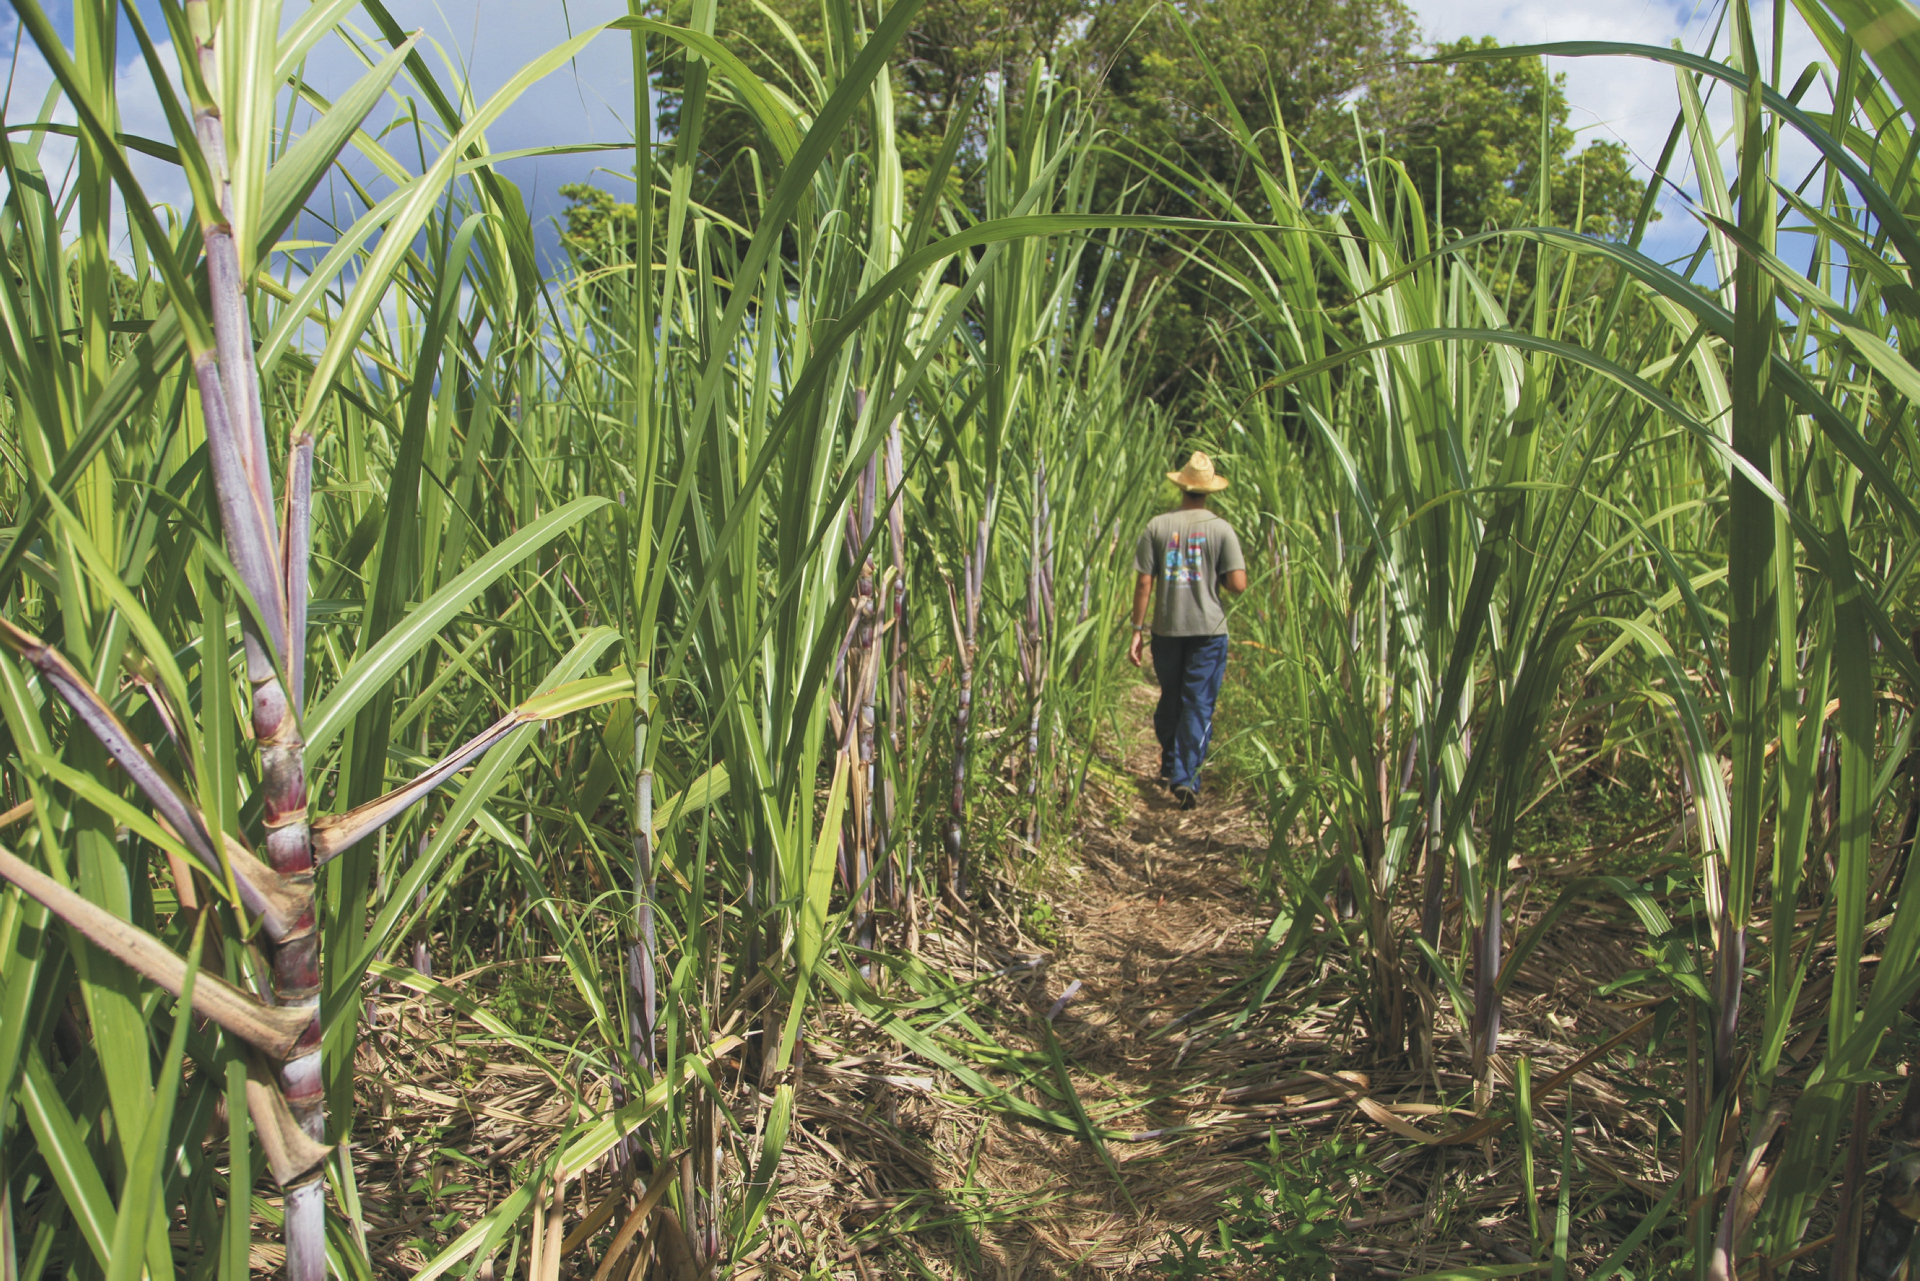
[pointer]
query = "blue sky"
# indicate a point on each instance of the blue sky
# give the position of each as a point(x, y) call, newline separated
point(1626, 100)
point(1631, 100)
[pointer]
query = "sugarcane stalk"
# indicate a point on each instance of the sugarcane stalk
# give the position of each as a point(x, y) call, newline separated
point(1036, 630)
point(643, 997)
point(860, 673)
point(642, 983)
point(254, 546)
point(273, 568)
point(295, 955)
point(283, 785)
point(1749, 1191)
point(272, 557)
point(1485, 1027)
point(896, 870)
point(966, 621)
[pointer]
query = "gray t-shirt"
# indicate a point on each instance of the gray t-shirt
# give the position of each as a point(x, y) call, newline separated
point(1186, 552)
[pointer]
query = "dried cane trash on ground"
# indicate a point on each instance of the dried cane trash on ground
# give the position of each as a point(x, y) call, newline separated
point(898, 1169)
point(1321, 1158)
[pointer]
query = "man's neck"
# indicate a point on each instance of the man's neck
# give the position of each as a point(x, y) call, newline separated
point(1193, 502)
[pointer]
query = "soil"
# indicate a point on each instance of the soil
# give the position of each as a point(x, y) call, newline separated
point(1156, 933)
point(1176, 1101)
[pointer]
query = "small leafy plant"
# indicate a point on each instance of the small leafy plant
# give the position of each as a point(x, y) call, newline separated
point(1287, 1215)
point(1040, 923)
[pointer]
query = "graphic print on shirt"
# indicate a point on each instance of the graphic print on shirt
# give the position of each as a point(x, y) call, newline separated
point(1184, 558)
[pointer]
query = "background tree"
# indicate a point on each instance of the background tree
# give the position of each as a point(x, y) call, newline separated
point(1338, 77)
point(953, 46)
point(1494, 123)
point(1279, 66)
point(596, 224)
point(1501, 126)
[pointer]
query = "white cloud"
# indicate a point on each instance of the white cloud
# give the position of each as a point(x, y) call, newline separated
point(1626, 100)
point(483, 42)
point(1635, 100)
point(29, 80)
point(1629, 100)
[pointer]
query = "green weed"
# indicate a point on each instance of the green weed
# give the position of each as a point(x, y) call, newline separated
point(1282, 1222)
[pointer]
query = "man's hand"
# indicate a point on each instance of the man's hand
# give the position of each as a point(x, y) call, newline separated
point(1142, 597)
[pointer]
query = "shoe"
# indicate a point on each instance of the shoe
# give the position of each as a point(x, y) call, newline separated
point(1188, 798)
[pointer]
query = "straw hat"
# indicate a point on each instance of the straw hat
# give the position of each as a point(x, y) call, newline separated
point(1198, 476)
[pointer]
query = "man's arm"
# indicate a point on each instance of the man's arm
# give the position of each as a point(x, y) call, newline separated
point(1142, 597)
point(1233, 563)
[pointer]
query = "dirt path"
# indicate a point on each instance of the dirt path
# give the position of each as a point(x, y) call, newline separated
point(903, 1163)
point(1151, 916)
point(1155, 918)
point(898, 1168)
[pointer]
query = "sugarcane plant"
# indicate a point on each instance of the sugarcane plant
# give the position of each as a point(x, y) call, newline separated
point(769, 433)
point(1656, 510)
point(1033, 637)
point(270, 1046)
point(419, 494)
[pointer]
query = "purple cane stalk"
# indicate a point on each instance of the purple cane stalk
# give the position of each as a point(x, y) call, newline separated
point(1730, 961)
point(236, 450)
point(239, 377)
point(643, 996)
point(229, 384)
point(896, 871)
point(643, 985)
point(861, 674)
point(643, 991)
point(1749, 1191)
point(966, 625)
point(1486, 972)
point(296, 963)
point(1035, 631)
point(252, 541)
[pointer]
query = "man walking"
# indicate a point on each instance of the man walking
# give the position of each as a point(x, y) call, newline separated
point(1191, 554)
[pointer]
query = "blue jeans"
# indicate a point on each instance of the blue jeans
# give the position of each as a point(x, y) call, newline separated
point(1189, 668)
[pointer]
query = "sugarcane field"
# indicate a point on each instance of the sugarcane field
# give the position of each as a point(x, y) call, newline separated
point(667, 640)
